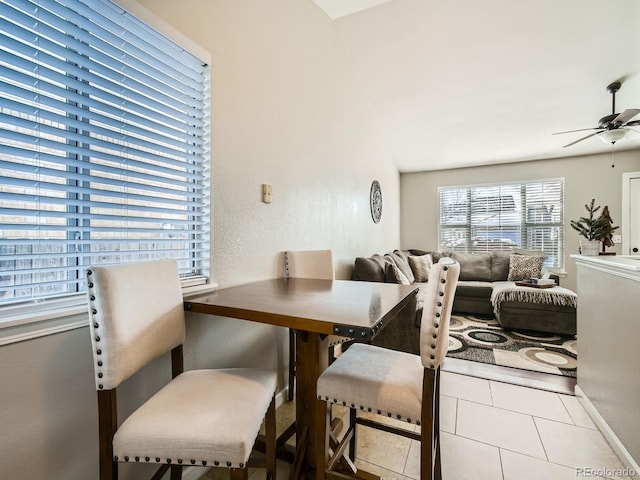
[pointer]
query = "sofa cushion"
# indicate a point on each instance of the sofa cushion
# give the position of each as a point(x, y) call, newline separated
point(500, 265)
point(369, 269)
point(393, 274)
point(474, 266)
point(421, 266)
point(471, 288)
point(522, 267)
point(400, 260)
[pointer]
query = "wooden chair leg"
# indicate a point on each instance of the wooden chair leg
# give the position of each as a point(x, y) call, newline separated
point(292, 363)
point(436, 431)
point(353, 443)
point(239, 473)
point(107, 426)
point(176, 472)
point(428, 424)
point(270, 439)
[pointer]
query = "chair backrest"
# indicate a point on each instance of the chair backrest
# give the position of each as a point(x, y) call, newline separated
point(316, 264)
point(136, 314)
point(436, 313)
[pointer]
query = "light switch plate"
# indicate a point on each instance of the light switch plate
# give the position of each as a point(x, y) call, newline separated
point(266, 193)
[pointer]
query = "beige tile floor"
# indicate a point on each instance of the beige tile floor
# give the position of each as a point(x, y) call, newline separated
point(490, 431)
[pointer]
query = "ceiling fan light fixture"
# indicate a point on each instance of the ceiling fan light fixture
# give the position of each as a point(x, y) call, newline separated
point(612, 136)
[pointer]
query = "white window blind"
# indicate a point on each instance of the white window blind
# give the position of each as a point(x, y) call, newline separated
point(103, 146)
point(482, 218)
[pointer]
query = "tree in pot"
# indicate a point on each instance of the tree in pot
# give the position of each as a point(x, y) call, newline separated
point(590, 228)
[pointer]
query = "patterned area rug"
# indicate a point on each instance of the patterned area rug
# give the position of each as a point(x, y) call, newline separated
point(483, 340)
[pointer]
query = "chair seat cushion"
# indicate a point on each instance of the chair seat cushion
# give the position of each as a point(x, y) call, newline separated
point(374, 379)
point(202, 417)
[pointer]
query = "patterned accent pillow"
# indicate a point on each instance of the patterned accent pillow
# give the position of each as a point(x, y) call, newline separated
point(394, 275)
point(421, 266)
point(522, 267)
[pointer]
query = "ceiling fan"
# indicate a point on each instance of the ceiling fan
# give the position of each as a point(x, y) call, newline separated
point(613, 127)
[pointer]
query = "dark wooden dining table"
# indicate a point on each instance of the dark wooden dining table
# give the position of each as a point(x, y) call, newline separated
point(315, 309)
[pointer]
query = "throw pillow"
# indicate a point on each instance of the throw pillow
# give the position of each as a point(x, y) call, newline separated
point(394, 275)
point(421, 266)
point(522, 267)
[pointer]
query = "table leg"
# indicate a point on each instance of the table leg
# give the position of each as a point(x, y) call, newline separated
point(312, 358)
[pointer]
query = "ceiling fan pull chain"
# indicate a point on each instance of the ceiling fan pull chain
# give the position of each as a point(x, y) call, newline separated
point(613, 154)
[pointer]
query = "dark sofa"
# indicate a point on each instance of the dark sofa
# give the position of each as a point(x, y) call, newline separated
point(479, 273)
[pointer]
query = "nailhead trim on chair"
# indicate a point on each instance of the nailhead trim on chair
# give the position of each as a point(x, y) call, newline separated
point(180, 461)
point(368, 409)
point(438, 314)
point(96, 325)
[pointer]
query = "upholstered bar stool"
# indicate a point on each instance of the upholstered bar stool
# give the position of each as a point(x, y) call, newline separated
point(316, 264)
point(201, 417)
point(395, 384)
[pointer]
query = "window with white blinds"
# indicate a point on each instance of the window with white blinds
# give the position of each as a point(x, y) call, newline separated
point(480, 218)
point(103, 146)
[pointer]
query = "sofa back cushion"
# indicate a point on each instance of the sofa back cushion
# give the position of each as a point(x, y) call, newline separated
point(369, 269)
point(474, 266)
point(500, 265)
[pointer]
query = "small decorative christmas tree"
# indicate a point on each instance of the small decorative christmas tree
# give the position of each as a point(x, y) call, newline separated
point(589, 227)
point(606, 228)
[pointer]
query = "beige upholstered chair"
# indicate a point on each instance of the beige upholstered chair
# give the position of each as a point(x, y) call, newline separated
point(201, 417)
point(316, 264)
point(396, 384)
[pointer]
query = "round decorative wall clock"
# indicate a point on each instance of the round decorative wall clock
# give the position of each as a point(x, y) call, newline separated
point(375, 200)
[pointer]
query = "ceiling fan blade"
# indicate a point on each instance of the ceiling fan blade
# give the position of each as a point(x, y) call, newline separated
point(583, 138)
point(572, 131)
point(626, 115)
point(632, 124)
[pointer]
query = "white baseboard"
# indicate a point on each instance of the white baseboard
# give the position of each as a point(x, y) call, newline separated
point(615, 443)
point(282, 396)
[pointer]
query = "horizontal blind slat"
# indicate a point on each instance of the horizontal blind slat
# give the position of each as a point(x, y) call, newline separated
point(159, 102)
point(44, 79)
point(128, 164)
point(38, 114)
point(145, 128)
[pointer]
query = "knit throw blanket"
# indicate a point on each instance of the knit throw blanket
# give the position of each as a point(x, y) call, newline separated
point(510, 292)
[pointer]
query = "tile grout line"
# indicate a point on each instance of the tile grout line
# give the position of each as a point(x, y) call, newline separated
point(540, 437)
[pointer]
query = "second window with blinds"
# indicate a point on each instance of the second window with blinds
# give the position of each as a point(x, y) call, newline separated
point(481, 218)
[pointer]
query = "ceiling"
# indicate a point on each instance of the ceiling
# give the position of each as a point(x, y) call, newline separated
point(463, 83)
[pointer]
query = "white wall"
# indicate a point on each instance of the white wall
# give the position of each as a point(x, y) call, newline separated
point(586, 177)
point(287, 110)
